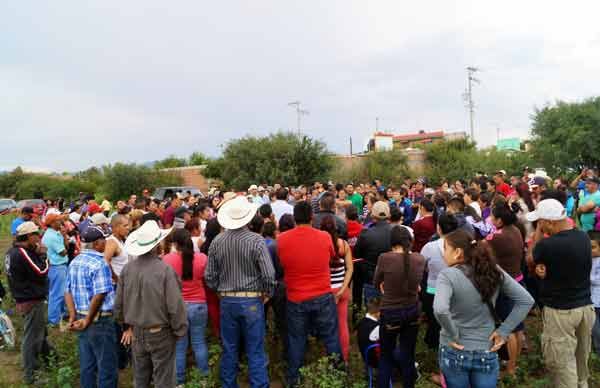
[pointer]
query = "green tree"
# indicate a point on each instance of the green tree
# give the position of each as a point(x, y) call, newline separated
point(197, 159)
point(121, 180)
point(565, 135)
point(170, 162)
point(281, 157)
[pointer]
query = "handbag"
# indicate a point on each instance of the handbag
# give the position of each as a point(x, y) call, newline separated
point(503, 351)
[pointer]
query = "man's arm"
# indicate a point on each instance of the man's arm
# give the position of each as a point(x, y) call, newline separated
point(174, 304)
point(70, 307)
point(267, 271)
point(587, 207)
point(577, 179)
point(211, 275)
point(111, 250)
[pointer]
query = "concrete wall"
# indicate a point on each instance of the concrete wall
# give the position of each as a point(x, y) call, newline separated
point(192, 176)
point(415, 158)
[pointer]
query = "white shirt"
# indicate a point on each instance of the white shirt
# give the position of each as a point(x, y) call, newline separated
point(280, 208)
point(475, 205)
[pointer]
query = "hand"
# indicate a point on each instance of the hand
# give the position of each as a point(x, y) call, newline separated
point(381, 288)
point(540, 271)
point(127, 337)
point(497, 340)
point(79, 325)
point(338, 295)
point(265, 299)
point(456, 346)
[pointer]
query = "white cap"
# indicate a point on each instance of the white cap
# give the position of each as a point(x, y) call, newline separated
point(99, 219)
point(253, 187)
point(27, 227)
point(548, 209)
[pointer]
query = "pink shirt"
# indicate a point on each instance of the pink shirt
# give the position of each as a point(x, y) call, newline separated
point(191, 290)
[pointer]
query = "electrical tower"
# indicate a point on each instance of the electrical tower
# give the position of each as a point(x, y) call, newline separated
point(468, 97)
point(299, 113)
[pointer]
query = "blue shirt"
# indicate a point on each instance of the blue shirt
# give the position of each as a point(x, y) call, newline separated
point(15, 224)
point(595, 281)
point(89, 275)
point(55, 243)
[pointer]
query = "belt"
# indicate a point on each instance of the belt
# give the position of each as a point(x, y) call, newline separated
point(241, 294)
point(101, 314)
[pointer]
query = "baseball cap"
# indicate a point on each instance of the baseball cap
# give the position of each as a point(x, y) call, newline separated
point(27, 210)
point(537, 181)
point(253, 187)
point(548, 209)
point(94, 208)
point(593, 179)
point(381, 210)
point(501, 172)
point(51, 218)
point(99, 219)
point(27, 228)
point(91, 234)
point(181, 211)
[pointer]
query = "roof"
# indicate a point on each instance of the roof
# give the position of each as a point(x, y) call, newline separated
point(383, 134)
point(419, 136)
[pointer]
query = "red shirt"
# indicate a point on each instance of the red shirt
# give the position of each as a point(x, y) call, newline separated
point(304, 253)
point(504, 188)
point(191, 290)
point(424, 229)
point(168, 217)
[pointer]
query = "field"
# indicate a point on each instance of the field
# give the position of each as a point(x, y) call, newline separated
point(62, 370)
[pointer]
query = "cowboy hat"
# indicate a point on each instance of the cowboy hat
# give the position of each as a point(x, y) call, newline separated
point(228, 196)
point(236, 213)
point(145, 238)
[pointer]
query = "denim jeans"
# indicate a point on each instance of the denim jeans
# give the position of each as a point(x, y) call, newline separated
point(596, 332)
point(398, 330)
point(317, 315)
point(464, 369)
point(197, 314)
point(98, 354)
point(243, 319)
point(57, 279)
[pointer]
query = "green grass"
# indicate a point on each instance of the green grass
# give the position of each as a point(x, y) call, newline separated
point(63, 371)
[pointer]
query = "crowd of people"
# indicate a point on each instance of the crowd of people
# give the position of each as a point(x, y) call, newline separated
point(146, 282)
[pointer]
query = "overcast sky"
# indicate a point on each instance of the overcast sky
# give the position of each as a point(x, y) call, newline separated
point(92, 82)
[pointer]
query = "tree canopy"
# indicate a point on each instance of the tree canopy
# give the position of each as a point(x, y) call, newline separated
point(281, 157)
point(565, 135)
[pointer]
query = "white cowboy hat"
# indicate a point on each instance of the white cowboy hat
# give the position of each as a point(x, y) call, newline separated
point(145, 238)
point(236, 213)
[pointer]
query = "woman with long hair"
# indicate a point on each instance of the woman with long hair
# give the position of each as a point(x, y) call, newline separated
point(341, 268)
point(463, 305)
point(507, 245)
point(190, 267)
point(521, 197)
point(398, 276)
point(213, 228)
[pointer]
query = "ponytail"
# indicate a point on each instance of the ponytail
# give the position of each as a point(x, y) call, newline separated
point(480, 263)
point(183, 241)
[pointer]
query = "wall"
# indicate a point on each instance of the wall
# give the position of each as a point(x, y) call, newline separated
point(192, 176)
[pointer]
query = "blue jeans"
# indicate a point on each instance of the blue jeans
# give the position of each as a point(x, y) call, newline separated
point(243, 319)
point(319, 316)
point(197, 314)
point(57, 278)
point(596, 332)
point(399, 328)
point(464, 369)
point(98, 355)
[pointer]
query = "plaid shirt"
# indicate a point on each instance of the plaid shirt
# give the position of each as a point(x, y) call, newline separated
point(90, 275)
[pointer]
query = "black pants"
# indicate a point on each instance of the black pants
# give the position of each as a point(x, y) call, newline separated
point(358, 283)
point(35, 343)
point(432, 335)
point(278, 305)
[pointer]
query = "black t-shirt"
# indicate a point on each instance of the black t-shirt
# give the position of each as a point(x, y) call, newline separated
point(568, 259)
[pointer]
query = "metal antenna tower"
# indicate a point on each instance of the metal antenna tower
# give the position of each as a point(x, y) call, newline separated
point(299, 113)
point(468, 97)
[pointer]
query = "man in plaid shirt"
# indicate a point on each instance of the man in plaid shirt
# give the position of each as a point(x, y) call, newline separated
point(90, 297)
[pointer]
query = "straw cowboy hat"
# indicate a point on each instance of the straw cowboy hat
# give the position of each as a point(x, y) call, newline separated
point(145, 238)
point(236, 213)
point(228, 196)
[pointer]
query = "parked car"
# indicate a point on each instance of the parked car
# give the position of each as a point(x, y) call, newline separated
point(38, 205)
point(168, 192)
point(7, 205)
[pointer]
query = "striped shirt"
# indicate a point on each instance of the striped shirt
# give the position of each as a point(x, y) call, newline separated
point(239, 261)
point(338, 274)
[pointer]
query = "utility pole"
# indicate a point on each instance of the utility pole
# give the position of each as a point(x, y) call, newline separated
point(299, 113)
point(468, 96)
point(350, 145)
point(376, 124)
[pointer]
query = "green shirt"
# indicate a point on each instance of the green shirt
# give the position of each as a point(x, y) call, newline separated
point(357, 201)
point(588, 220)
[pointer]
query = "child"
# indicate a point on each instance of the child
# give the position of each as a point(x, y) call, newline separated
point(595, 281)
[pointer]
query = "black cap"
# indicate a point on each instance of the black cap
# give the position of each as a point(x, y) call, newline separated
point(181, 211)
point(91, 234)
point(27, 210)
point(593, 179)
